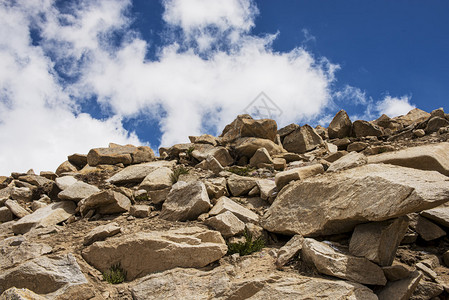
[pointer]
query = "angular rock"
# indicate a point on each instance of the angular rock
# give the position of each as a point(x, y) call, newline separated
point(363, 128)
point(212, 164)
point(427, 290)
point(159, 196)
point(22, 194)
point(78, 191)
point(17, 250)
point(16, 209)
point(5, 214)
point(334, 156)
point(436, 123)
point(246, 126)
point(439, 112)
point(143, 253)
point(357, 146)
point(227, 224)
point(20, 294)
point(101, 232)
point(260, 157)
point(65, 167)
point(433, 157)
point(336, 202)
point(331, 262)
point(44, 275)
point(340, 126)
point(283, 178)
point(36, 180)
point(419, 132)
point(116, 154)
point(289, 250)
point(139, 211)
point(267, 188)
point(378, 241)
point(397, 271)
point(439, 215)
point(225, 204)
point(105, 202)
point(248, 146)
point(428, 230)
point(400, 289)
point(279, 163)
point(50, 215)
point(49, 175)
point(412, 117)
point(158, 179)
point(136, 173)
point(78, 160)
point(204, 139)
point(240, 185)
point(349, 161)
point(284, 131)
point(216, 187)
point(186, 201)
point(302, 140)
point(64, 182)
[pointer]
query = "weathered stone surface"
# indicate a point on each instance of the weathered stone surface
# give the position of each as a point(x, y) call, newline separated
point(20, 294)
point(139, 211)
point(225, 204)
point(246, 126)
point(289, 250)
point(35, 180)
point(350, 160)
point(21, 194)
point(378, 241)
point(260, 157)
point(227, 224)
point(65, 167)
point(159, 196)
point(116, 154)
point(46, 216)
point(363, 128)
point(16, 209)
point(336, 202)
point(16, 250)
point(433, 157)
point(204, 139)
point(284, 131)
point(248, 146)
point(101, 232)
point(412, 117)
point(436, 123)
point(186, 201)
point(49, 175)
point(240, 185)
point(283, 178)
point(216, 187)
point(427, 290)
point(222, 155)
point(105, 202)
point(302, 140)
point(340, 126)
point(331, 262)
point(357, 146)
point(158, 179)
point(439, 215)
point(397, 271)
point(78, 191)
point(400, 289)
point(212, 164)
point(5, 214)
point(78, 160)
point(136, 173)
point(64, 182)
point(428, 230)
point(44, 275)
point(142, 253)
point(267, 188)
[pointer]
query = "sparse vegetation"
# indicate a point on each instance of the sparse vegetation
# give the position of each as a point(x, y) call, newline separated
point(242, 171)
point(248, 246)
point(189, 151)
point(177, 172)
point(115, 274)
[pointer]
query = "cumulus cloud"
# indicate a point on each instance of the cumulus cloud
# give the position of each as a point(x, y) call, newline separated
point(394, 106)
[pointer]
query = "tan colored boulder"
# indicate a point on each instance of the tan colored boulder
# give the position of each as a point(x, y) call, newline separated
point(65, 167)
point(267, 188)
point(78, 160)
point(362, 128)
point(212, 164)
point(349, 161)
point(289, 250)
point(216, 187)
point(204, 139)
point(20, 294)
point(248, 146)
point(225, 204)
point(65, 181)
point(36, 180)
point(227, 224)
point(105, 202)
point(49, 215)
point(427, 230)
point(78, 191)
point(334, 263)
point(283, 178)
point(340, 126)
point(101, 232)
point(159, 196)
point(435, 124)
point(261, 157)
point(357, 146)
point(143, 253)
point(158, 179)
point(246, 126)
point(284, 131)
point(186, 201)
point(378, 241)
point(397, 271)
point(400, 289)
point(5, 214)
point(433, 157)
point(302, 140)
point(116, 154)
point(240, 185)
point(22, 194)
point(16, 209)
point(412, 117)
point(136, 173)
point(439, 215)
point(336, 202)
point(139, 211)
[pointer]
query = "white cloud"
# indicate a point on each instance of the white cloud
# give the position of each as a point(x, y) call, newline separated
point(393, 106)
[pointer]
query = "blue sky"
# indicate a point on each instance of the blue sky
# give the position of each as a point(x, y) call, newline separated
point(79, 74)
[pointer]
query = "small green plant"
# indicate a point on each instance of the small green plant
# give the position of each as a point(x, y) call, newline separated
point(242, 171)
point(189, 151)
point(248, 246)
point(115, 274)
point(177, 172)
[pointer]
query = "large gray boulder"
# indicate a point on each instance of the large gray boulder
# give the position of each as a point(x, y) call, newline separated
point(240, 185)
point(105, 202)
point(340, 126)
point(158, 179)
point(136, 173)
point(336, 202)
point(362, 128)
point(350, 160)
point(78, 191)
point(301, 140)
point(225, 204)
point(186, 201)
point(247, 146)
point(246, 126)
point(143, 253)
point(116, 154)
point(227, 224)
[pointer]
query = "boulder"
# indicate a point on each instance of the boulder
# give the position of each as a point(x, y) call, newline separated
point(5, 214)
point(428, 230)
point(159, 196)
point(436, 123)
point(284, 131)
point(340, 126)
point(378, 241)
point(302, 140)
point(412, 117)
point(336, 202)
point(289, 250)
point(267, 188)
point(143, 253)
point(46, 216)
point(116, 154)
point(439, 215)
point(439, 112)
point(186, 201)
point(433, 157)
point(20, 294)
point(419, 133)
point(212, 164)
point(36, 180)
point(225, 204)
point(240, 185)
point(334, 263)
point(427, 290)
point(22, 194)
point(101, 232)
point(261, 157)
point(78, 191)
point(204, 139)
point(139, 211)
point(216, 187)
point(400, 289)
point(349, 161)
point(105, 202)
point(64, 182)
point(158, 179)
point(65, 167)
point(136, 173)
point(246, 126)
point(283, 178)
point(47, 276)
point(357, 146)
point(397, 271)
point(227, 224)
point(16, 209)
point(78, 160)
point(248, 146)
point(363, 128)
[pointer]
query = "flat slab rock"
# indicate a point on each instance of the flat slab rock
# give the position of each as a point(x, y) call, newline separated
point(335, 203)
point(143, 253)
point(136, 173)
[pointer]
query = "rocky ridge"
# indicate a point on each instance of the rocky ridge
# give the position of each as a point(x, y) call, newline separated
point(358, 210)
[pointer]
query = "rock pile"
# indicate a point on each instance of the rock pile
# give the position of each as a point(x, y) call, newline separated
point(357, 210)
